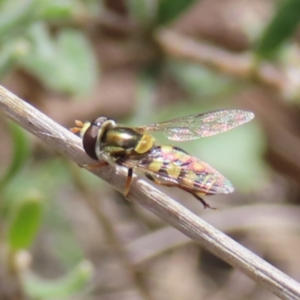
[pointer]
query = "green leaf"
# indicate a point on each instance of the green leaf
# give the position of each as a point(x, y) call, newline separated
point(169, 10)
point(77, 66)
point(66, 64)
point(20, 146)
point(57, 9)
point(281, 27)
point(18, 15)
point(15, 16)
point(74, 282)
point(25, 223)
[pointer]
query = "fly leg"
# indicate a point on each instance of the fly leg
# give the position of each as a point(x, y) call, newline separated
point(205, 204)
point(103, 163)
point(158, 182)
point(170, 184)
point(128, 182)
point(97, 165)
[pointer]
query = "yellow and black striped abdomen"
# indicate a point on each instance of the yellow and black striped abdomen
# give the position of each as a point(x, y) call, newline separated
point(174, 165)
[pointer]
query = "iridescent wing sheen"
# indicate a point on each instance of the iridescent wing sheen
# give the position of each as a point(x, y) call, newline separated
point(201, 125)
point(173, 166)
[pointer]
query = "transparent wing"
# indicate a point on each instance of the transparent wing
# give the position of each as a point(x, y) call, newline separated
point(201, 125)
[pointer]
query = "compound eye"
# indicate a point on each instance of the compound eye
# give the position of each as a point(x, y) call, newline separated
point(99, 121)
point(89, 141)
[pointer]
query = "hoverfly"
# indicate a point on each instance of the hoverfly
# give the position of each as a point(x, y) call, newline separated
point(135, 148)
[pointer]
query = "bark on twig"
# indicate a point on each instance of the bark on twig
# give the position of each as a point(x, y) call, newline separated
point(143, 193)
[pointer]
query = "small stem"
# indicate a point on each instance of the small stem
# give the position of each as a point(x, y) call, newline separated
point(243, 65)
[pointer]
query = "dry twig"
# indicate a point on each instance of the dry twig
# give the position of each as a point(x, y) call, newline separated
point(240, 65)
point(154, 200)
point(263, 218)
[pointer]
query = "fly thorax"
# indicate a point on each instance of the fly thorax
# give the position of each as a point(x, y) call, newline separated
point(120, 139)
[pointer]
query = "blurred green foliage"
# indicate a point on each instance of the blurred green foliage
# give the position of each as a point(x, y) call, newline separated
point(27, 205)
point(20, 153)
point(27, 193)
point(68, 60)
point(281, 27)
point(64, 61)
point(25, 223)
point(72, 283)
point(157, 13)
point(169, 10)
